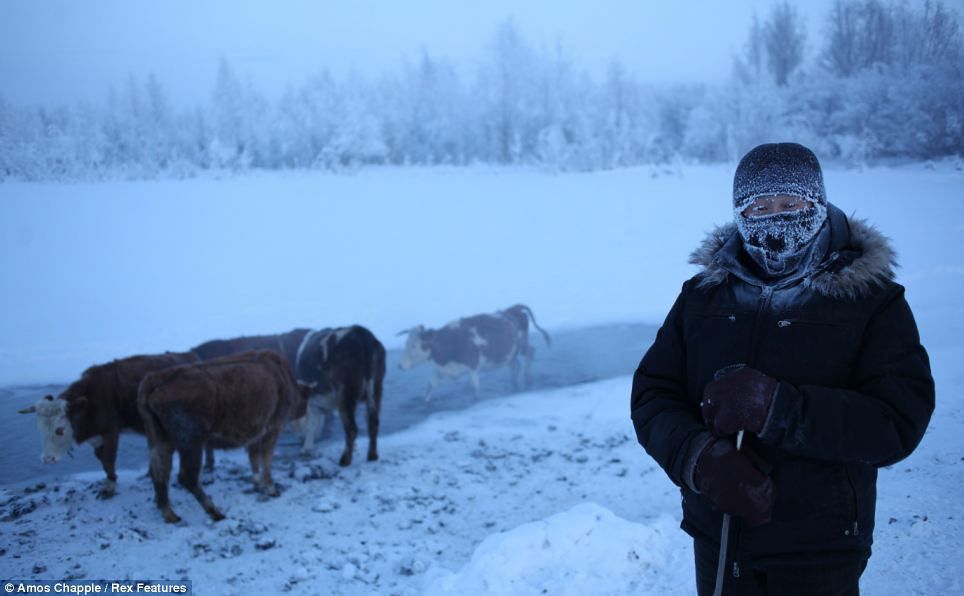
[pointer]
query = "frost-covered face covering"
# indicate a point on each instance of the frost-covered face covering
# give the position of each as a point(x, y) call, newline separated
point(779, 242)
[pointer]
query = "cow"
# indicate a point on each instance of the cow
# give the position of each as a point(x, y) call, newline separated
point(286, 344)
point(324, 398)
point(96, 408)
point(243, 400)
point(472, 344)
point(343, 366)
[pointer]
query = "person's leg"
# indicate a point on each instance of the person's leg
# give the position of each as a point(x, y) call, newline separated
point(836, 580)
point(706, 555)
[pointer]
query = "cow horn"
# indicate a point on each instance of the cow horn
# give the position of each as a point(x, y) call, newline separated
point(29, 410)
point(405, 331)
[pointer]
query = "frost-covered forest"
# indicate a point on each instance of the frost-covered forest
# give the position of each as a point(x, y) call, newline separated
point(878, 79)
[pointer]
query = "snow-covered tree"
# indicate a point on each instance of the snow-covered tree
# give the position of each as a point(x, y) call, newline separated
point(505, 88)
point(860, 34)
point(784, 35)
point(428, 122)
point(227, 147)
point(751, 66)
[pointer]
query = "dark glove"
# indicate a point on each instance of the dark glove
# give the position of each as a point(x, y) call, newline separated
point(728, 479)
point(739, 400)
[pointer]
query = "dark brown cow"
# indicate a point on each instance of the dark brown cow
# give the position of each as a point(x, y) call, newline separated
point(471, 344)
point(97, 407)
point(344, 366)
point(286, 344)
point(235, 401)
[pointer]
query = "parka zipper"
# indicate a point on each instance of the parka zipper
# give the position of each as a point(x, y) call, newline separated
point(855, 528)
point(766, 294)
point(737, 533)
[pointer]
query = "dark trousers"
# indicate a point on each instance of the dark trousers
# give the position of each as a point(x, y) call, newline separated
point(827, 580)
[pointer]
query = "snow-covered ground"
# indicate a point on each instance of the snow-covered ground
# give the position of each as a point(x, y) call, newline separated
point(537, 493)
point(543, 492)
point(393, 526)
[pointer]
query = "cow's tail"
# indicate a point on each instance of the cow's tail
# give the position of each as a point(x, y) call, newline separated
point(532, 317)
point(152, 424)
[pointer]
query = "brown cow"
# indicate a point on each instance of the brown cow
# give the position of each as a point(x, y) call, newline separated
point(236, 401)
point(97, 407)
point(471, 344)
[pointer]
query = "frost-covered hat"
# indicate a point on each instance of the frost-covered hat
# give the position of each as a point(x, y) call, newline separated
point(778, 169)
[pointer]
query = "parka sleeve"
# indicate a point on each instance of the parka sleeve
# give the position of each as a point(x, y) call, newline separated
point(881, 417)
point(668, 426)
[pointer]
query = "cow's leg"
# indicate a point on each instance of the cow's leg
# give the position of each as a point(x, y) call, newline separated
point(530, 353)
point(208, 458)
point(106, 452)
point(373, 405)
point(514, 368)
point(267, 456)
point(310, 425)
point(308, 442)
point(161, 455)
point(254, 458)
point(474, 377)
point(347, 398)
point(435, 381)
point(190, 477)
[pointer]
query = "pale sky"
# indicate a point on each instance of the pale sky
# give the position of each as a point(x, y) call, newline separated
point(61, 51)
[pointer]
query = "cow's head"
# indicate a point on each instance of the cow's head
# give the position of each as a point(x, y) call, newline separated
point(56, 434)
point(82, 416)
point(301, 405)
point(416, 347)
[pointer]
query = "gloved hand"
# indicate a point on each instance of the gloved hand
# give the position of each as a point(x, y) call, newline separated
point(739, 400)
point(729, 479)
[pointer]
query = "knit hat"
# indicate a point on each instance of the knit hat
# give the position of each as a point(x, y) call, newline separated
point(778, 169)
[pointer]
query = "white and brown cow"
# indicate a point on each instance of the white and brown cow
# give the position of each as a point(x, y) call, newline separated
point(96, 408)
point(472, 344)
point(235, 401)
point(343, 366)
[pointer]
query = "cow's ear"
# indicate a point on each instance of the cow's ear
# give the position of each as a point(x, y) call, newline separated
point(49, 397)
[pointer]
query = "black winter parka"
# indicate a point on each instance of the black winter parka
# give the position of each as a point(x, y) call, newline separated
point(855, 391)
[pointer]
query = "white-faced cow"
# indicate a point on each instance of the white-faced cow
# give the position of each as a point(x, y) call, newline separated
point(472, 344)
point(236, 401)
point(96, 408)
point(343, 366)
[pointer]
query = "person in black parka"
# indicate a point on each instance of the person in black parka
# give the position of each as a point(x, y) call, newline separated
point(795, 333)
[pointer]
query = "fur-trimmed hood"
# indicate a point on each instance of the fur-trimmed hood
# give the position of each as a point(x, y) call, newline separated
point(859, 261)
